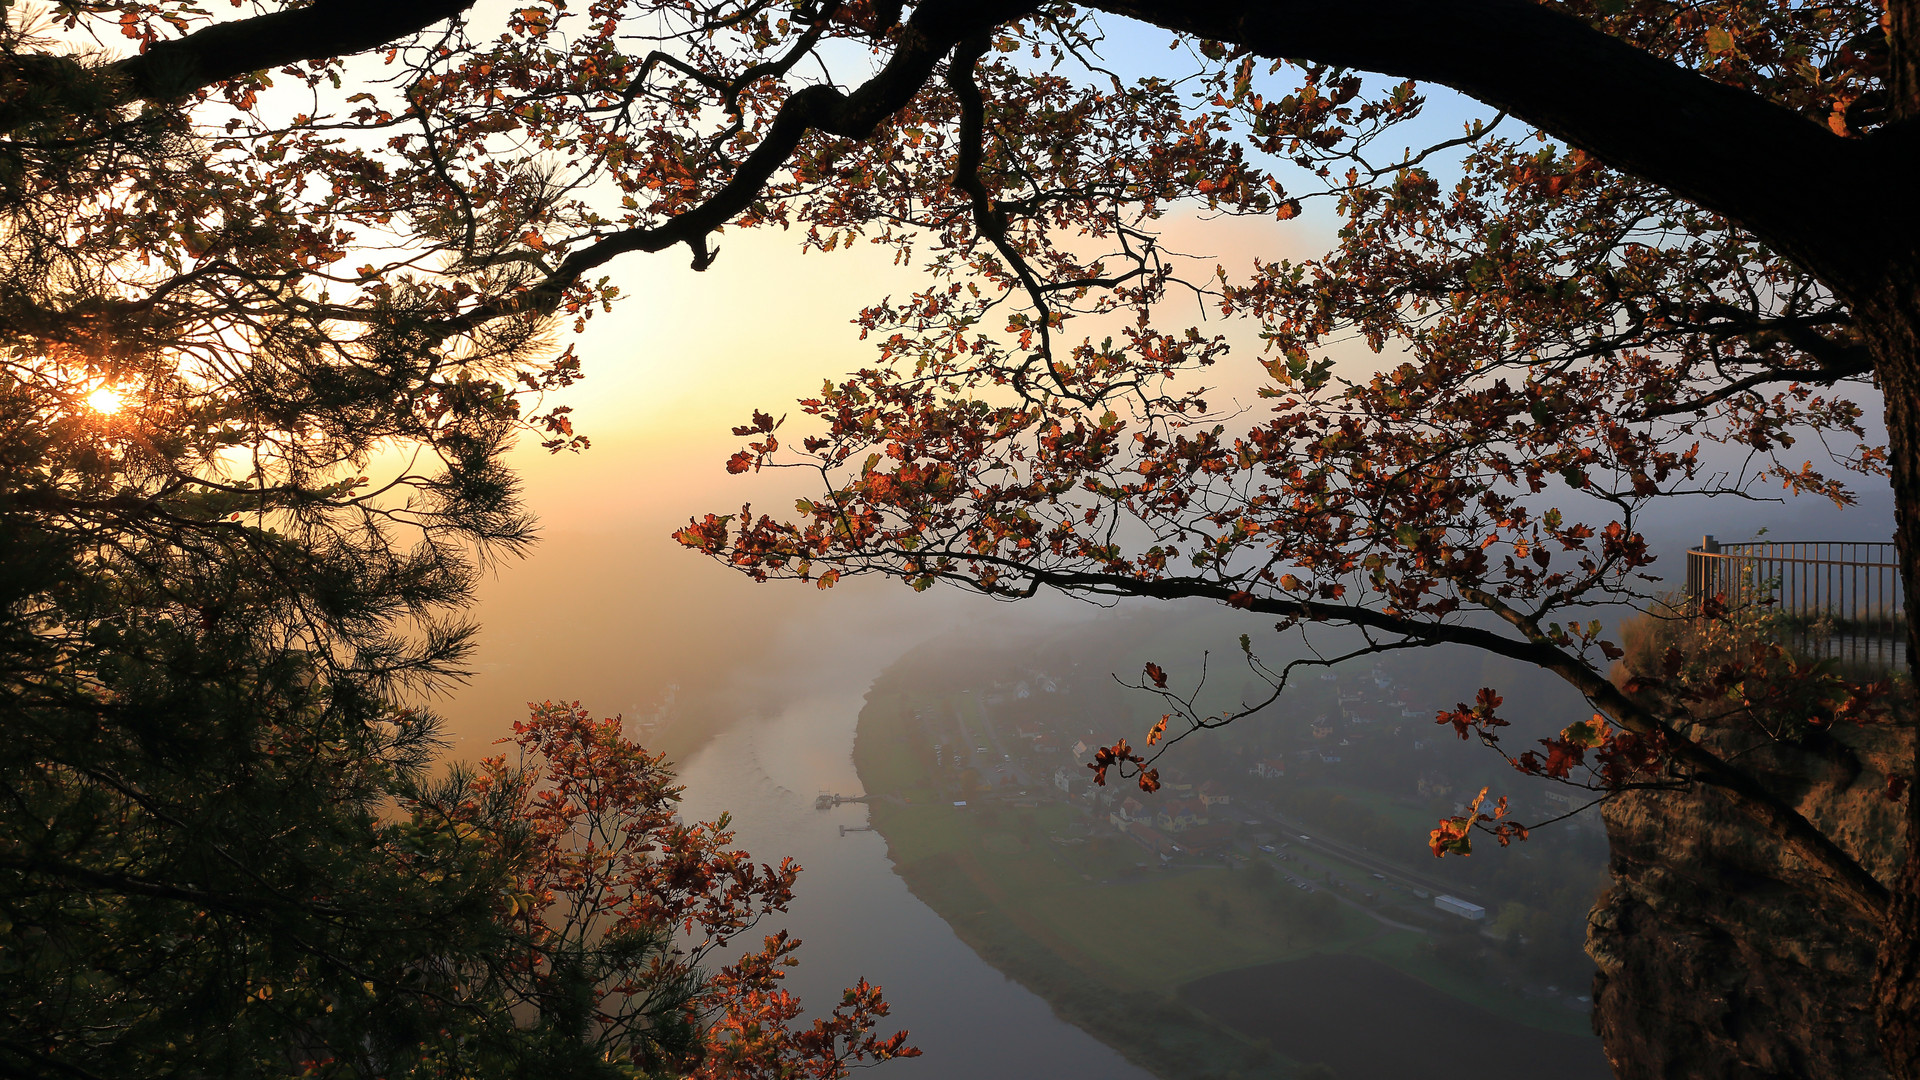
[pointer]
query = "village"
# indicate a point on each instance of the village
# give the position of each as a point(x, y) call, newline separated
point(1335, 798)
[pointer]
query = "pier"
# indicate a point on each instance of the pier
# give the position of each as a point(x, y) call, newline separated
point(845, 829)
point(825, 801)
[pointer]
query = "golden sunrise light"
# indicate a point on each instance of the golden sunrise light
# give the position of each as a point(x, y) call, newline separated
point(490, 502)
point(106, 401)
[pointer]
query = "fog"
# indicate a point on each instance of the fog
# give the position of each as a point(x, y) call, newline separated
point(609, 611)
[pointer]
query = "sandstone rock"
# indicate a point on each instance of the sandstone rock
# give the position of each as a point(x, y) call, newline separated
point(1719, 955)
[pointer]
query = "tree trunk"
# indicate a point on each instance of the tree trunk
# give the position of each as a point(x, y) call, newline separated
point(1894, 336)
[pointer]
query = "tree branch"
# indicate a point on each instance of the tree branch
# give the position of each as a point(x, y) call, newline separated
point(1760, 165)
point(933, 30)
point(323, 29)
point(1862, 893)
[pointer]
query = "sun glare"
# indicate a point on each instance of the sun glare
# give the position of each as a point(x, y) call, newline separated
point(106, 400)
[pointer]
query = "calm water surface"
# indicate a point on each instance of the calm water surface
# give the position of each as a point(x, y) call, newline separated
point(857, 919)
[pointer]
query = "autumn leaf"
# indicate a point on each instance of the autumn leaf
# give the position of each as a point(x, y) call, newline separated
point(761, 423)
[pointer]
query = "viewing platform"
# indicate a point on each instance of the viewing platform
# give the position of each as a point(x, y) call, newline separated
point(1837, 599)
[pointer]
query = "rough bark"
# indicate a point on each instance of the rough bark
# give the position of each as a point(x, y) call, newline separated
point(1896, 344)
point(1891, 322)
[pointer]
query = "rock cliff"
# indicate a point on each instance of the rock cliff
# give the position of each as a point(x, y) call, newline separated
point(1718, 957)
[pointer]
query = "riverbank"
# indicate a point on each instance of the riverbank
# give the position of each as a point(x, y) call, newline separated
point(1135, 950)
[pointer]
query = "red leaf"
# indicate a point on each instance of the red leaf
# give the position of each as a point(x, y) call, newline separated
point(761, 424)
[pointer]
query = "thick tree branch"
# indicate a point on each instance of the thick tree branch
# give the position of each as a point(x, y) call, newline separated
point(1763, 166)
point(1821, 376)
point(325, 28)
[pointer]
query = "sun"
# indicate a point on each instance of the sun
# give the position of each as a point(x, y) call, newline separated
point(106, 401)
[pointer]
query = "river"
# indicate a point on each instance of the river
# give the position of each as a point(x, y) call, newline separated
point(857, 918)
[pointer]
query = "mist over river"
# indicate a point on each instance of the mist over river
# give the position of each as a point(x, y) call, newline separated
point(856, 917)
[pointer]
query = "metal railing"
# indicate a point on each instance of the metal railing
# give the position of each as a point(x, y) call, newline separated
point(1837, 598)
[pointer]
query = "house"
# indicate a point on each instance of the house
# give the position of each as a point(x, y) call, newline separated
point(1272, 768)
point(1081, 749)
point(1129, 811)
point(1213, 793)
point(1179, 815)
point(1453, 905)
